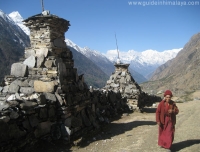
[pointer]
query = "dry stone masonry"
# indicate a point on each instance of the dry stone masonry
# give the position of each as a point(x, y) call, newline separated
point(44, 97)
point(122, 82)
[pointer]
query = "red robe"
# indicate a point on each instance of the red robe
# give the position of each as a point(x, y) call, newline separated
point(167, 121)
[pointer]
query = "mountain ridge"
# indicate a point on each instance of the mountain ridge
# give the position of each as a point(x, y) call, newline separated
point(180, 74)
point(13, 40)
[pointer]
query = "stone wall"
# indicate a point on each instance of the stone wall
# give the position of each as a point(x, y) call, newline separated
point(45, 98)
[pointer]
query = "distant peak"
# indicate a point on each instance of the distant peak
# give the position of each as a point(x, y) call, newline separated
point(16, 17)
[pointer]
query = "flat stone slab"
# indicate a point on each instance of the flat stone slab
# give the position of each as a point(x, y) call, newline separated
point(30, 62)
point(19, 70)
point(40, 86)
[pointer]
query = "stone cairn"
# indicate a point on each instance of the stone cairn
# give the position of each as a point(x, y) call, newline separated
point(122, 82)
point(44, 97)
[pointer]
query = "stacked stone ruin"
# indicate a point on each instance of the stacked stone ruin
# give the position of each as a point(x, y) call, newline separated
point(44, 97)
point(122, 82)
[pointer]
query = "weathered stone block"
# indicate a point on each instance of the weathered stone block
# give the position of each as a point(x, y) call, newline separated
point(40, 60)
point(128, 90)
point(59, 43)
point(42, 100)
point(48, 63)
point(13, 88)
point(59, 99)
point(40, 86)
point(11, 97)
point(14, 115)
point(4, 119)
point(50, 96)
point(75, 122)
point(43, 113)
point(25, 83)
point(30, 62)
point(114, 85)
point(14, 132)
point(122, 80)
point(33, 120)
point(42, 52)
point(51, 112)
point(85, 119)
point(128, 78)
point(43, 128)
point(13, 103)
point(68, 121)
point(31, 83)
point(123, 74)
point(29, 52)
point(26, 125)
point(28, 105)
point(17, 96)
point(3, 105)
point(5, 89)
point(34, 96)
point(19, 70)
point(27, 90)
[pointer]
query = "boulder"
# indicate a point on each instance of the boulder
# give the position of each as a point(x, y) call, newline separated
point(19, 70)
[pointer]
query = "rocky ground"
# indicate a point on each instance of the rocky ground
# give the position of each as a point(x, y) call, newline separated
point(137, 132)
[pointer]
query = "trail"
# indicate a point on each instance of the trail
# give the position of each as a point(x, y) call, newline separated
point(138, 133)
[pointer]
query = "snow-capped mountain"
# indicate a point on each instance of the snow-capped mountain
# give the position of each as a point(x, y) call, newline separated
point(98, 58)
point(12, 43)
point(6, 17)
point(86, 51)
point(150, 57)
point(10, 21)
point(17, 18)
point(143, 62)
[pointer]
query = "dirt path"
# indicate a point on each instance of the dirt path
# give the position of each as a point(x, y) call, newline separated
point(138, 133)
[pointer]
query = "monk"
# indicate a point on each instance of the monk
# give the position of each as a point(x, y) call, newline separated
point(166, 119)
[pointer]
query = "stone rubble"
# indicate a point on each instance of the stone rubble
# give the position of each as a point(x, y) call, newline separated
point(45, 98)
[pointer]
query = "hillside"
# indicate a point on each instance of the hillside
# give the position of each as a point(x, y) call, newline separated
point(93, 75)
point(12, 43)
point(180, 74)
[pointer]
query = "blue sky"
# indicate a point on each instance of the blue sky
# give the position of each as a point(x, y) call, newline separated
point(95, 22)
